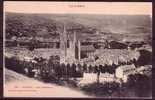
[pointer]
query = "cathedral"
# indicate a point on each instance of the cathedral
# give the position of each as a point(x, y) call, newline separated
point(69, 47)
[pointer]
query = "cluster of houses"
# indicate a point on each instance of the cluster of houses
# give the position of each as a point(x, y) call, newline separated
point(73, 48)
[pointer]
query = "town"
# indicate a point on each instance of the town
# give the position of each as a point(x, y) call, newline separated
point(68, 55)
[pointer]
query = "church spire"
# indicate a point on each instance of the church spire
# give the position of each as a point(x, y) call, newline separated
point(64, 28)
point(63, 44)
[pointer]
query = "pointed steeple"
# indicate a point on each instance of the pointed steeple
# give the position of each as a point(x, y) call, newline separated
point(74, 37)
point(63, 44)
point(64, 28)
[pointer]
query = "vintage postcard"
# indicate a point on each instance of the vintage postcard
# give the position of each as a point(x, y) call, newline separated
point(77, 49)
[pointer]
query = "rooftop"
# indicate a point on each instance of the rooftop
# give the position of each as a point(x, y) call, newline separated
point(88, 48)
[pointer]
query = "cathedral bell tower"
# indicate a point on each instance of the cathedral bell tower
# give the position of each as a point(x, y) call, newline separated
point(63, 45)
point(69, 47)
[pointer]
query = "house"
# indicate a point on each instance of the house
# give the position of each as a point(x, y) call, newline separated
point(87, 51)
point(122, 72)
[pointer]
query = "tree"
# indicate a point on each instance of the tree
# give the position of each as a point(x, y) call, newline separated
point(33, 44)
point(96, 46)
point(98, 73)
point(142, 84)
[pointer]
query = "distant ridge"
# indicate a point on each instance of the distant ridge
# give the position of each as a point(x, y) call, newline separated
point(48, 24)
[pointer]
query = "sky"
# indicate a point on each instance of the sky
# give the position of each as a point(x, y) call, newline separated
point(130, 8)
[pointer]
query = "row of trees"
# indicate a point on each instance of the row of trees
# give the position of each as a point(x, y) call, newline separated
point(137, 85)
point(52, 68)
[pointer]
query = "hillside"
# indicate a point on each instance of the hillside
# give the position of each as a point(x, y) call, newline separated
point(46, 25)
point(112, 23)
point(29, 87)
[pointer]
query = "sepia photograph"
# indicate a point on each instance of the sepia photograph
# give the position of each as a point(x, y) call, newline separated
point(77, 49)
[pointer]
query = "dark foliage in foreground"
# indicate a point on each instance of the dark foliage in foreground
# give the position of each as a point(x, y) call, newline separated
point(100, 89)
point(138, 85)
point(141, 84)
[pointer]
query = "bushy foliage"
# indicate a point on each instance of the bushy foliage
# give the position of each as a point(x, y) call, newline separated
point(141, 83)
point(101, 89)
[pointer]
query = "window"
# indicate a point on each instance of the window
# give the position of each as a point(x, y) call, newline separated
point(68, 44)
point(57, 45)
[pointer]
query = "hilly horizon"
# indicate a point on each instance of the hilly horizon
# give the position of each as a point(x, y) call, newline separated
point(46, 24)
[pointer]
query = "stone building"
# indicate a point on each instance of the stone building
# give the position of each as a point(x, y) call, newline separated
point(69, 47)
point(122, 72)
